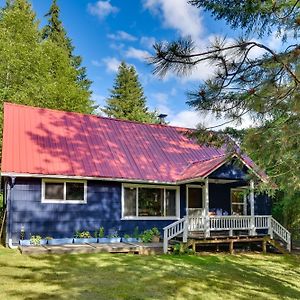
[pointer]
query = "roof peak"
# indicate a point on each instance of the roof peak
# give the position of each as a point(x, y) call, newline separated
point(97, 116)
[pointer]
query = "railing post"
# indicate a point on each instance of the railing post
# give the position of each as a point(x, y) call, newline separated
point(289, 246)
point(252, 224)
point(270, 228)
point(206, 209)
point(185, 229)
point(165, 241)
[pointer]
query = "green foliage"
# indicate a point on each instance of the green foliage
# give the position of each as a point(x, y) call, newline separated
point(181, 249)
point(48, 238)
point(35, 240)
point(127, 236)
point(148, 235)
point(22, 233)
point(264, 87)
point(101, 232)
point(127, 100)
point(114, 234)
point(82, 235)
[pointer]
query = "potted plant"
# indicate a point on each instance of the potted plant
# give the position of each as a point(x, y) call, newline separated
point(151, 235)
point(132, 239)
point(23, 241)
point(114, 237)
point(82, 237)
point(155, 235)
point(101, 238)
point(36, 240)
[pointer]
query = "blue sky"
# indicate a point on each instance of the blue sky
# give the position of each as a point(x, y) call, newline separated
point(106, 32)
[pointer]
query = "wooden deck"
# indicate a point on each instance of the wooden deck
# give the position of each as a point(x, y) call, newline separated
point(134, 248)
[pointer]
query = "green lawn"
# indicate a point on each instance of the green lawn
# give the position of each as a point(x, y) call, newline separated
point(107, 276)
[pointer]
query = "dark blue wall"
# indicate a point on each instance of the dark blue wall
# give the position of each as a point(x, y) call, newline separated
point(103, 208)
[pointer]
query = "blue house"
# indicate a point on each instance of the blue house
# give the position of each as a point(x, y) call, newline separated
point(63, 172)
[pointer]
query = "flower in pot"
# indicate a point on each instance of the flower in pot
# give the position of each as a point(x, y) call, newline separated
point(82, 237)
point(150, 235)
point(36, 240)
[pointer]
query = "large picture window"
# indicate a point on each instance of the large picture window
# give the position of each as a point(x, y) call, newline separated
point(150, 202)
point(63, 191)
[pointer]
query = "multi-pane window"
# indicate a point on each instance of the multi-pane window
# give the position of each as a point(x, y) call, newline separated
point(149, 201)
point(58, 191)
point(238, 202)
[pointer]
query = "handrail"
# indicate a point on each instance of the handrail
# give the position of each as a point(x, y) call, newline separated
point(173, 230)
point(281, 232)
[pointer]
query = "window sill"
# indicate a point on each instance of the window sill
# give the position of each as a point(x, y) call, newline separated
point(64, 202)
point(149, 218)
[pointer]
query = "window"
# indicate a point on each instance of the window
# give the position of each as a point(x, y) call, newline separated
point(238, 202)
point(63, 191)
point(150, 202)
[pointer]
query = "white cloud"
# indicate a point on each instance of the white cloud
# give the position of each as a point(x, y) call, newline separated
point(96, 63)
point(122, 36)
point(148, 41)
point(178, 15)
point(111, 64)
point(138, 54)
point(102, 9)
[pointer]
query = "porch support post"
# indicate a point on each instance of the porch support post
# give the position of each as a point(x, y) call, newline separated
point(206, 209)
point(252, 230)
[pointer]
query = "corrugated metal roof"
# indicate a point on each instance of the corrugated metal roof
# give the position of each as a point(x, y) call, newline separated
point(51, 142)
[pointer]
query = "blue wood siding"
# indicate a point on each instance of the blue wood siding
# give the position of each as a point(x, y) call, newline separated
point(103, 208)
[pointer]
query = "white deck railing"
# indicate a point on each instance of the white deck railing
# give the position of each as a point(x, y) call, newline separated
point(230, 223)
point(175, 229)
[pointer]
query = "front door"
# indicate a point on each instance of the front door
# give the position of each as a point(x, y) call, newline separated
point(194, 201)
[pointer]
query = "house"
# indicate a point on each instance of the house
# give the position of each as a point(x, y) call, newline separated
point(64, 172)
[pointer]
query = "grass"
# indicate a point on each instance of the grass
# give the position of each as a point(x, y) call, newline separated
point(107, 276)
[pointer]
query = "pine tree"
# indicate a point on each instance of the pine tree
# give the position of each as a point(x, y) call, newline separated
point(55, 32)
point(127, 100)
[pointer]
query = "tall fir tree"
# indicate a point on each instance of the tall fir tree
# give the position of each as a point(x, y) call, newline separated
point(55, 32)
point(127, 100)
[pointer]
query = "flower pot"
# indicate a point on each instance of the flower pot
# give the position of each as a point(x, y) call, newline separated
point(60, 241)
point(155, 239)
point(25, 242)
point(43, 242)
point(85, 240)
point(109, 240)
point(130, 240)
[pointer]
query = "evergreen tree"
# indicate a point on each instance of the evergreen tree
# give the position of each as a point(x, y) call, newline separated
point(55, 32)
point(266, 87)
point(127, 100)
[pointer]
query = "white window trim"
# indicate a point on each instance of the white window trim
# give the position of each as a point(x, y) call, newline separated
point(45, 180)
point(244, 203)
point(176, 188)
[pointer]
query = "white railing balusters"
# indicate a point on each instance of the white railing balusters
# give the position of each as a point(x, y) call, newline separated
point(174, 229)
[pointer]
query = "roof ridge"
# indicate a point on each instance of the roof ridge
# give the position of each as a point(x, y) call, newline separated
point(99, 117)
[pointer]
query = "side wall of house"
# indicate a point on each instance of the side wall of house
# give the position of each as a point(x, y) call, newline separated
point(103, 208)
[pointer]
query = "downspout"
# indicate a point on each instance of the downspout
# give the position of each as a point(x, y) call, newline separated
point(8, 202)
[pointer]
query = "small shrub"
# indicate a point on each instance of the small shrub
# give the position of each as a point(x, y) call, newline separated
point(82, 235)
point(101, 232)
point(127, 236)
point(148, 234)
point(35, 240)
point(181, 249)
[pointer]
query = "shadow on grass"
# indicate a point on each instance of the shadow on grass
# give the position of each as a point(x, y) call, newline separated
point(106, 276)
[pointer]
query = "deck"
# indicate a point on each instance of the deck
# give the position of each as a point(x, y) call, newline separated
point(133, 248)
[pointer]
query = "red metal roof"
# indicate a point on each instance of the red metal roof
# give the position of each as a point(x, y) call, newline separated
point(51, 142)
